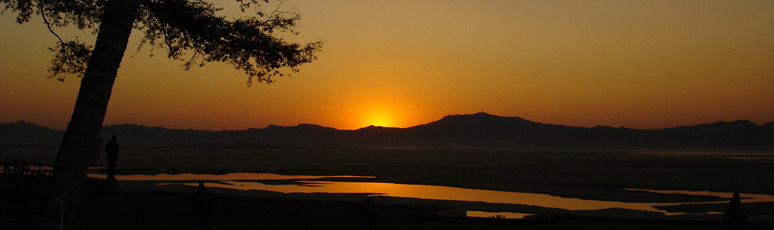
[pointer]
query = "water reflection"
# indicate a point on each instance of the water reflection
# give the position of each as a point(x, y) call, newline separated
point(437, 193)
point(311, 184)
point(498, 215)
point(747, 197)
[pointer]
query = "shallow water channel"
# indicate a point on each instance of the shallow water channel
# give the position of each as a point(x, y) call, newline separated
point(311, 184)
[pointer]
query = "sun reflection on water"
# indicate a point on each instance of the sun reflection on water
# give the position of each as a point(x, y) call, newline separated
point(312, 184)
point(437, 193)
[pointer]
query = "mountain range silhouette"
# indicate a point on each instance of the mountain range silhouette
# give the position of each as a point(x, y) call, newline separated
point(479, 129)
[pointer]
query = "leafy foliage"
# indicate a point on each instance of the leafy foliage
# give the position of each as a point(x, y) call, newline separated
point(70, 58)
point(82, 13)
point(189, 30)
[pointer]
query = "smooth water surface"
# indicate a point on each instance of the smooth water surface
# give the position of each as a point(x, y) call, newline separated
point(436, 193)
point(498, 215)
point(308, 184)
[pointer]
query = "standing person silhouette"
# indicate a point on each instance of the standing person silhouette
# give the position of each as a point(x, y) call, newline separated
point(112, 154)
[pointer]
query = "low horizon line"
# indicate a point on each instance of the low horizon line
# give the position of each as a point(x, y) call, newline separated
point(481, 112)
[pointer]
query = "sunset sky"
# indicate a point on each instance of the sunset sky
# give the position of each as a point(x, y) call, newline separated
point(400, 63)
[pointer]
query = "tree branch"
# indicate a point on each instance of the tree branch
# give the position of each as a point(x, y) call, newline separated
point(45, 20)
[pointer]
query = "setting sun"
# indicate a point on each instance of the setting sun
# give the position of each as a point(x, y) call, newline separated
point(379, 111)
point(636, 64)
point(378, 116)
point(380, 120)
point(387, 114)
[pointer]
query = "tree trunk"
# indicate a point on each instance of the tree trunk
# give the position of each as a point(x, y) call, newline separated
point(72, 160)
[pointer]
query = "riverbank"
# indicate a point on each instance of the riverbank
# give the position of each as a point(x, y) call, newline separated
point(607, 175)
point(576, 173)
point(147, 205)
point(174, 210)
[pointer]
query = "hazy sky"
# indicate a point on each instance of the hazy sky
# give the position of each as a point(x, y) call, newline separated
point(639, 64)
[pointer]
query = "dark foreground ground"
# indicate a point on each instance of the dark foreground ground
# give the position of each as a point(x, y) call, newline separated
point(586, 174)
point(572, 173)
point(171, 210)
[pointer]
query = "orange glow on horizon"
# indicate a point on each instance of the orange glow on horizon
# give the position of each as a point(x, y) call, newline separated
point(379, 120)
point(636, 64)
point(378, 114)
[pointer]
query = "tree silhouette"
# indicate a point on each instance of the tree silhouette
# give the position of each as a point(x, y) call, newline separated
point(188, 30)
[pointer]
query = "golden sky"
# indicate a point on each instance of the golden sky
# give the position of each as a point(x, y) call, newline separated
point(639, 64)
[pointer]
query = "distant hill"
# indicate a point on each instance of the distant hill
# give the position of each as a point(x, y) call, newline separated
point(480, 129)
point(23, 133)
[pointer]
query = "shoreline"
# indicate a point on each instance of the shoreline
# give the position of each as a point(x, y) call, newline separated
point(283, 211)
point(146, 186)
